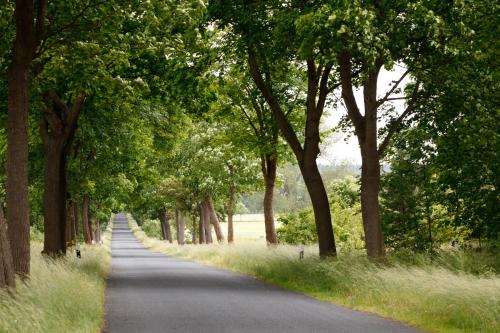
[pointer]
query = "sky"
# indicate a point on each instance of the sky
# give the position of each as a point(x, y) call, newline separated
point(341, 147)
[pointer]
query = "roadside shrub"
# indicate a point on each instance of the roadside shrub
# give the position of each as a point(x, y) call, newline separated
point(152, 228)
point(297, 228)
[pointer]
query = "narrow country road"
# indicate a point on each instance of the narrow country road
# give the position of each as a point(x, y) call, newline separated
point(151, 292)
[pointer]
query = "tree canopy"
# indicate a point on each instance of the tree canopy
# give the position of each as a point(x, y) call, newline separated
point(184, 109)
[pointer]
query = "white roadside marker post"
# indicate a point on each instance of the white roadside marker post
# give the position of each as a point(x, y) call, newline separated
point(301, 252)
point(78, 252)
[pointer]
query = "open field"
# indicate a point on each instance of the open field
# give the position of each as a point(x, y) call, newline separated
point(63, 295)
point(247, 227)
point(239, 218)
point(432, 296)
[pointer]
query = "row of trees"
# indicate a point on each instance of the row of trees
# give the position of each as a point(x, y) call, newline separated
point(77, 79)
point(174, 108)
point(340, 46)
point(282, 65)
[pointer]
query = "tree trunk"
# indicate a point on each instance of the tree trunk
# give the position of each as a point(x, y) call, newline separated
point(370, 182)
point(54, 199)
point(366, 131)
point(321, 208)
point(70, 226)
point(429, 224)
point(98, 231)
point(92, 231)
point(181, 227)
point(202, 224)
point(317, 92)
point(57, 130)
point(194, 240)
point(17, 137)
point(230, 213)
point(206, 223)
point(214, 220)
point(269, 166)
point(75, 221)
point(87, 233)
point(68, 223)
point(208, 230)
point(168, 229)
point(7, 276)
point(165, 225)
point(370, 172)
point(163, 233)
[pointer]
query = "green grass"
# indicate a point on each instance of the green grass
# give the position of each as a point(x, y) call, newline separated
point(439, 295)
point(62, 295)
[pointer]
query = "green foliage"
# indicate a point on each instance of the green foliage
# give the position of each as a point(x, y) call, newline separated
point(36, 235)
point(299, 227)
point(412, 215)
point(443, 179)
point(7, 33)
point(152, 228)
point(290, 191)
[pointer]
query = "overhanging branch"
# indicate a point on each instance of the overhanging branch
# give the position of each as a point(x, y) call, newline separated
point(393, 127)
point(284, 125)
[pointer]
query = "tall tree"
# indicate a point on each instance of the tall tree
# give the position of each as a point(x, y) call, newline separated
point(57, 130)
point(83, 56)
point(165, 225)
point(253, 127)
point(30, 32)
point(267, 36)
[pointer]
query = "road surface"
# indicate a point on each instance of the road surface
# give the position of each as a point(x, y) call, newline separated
point(151, 292)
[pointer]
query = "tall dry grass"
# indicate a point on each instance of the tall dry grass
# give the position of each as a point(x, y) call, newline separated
point(62, 295)
point(438, 295)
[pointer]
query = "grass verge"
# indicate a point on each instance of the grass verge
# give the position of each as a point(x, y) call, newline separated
point(62, 295)
point(435, 296)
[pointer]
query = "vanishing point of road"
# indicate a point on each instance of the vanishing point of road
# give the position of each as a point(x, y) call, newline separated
point(151, 292)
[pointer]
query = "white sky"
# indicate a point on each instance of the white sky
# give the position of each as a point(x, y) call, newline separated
point(340, 147)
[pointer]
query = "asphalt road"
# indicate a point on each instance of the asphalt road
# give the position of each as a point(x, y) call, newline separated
point(151, 292)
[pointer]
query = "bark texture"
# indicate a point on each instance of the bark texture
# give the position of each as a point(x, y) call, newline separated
point(70, 223)
point(87, 228)
point(269, 165)
point(230, 214)
point(214, 220)
point(194, 236)
point(206, 223)
point(57, 130)
point(202, 238)
point(17, 136)
point(181, 227)
point(75, 220)
point(165, 225)
point(97, 232)
point(7, 276)
point(366, 131)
